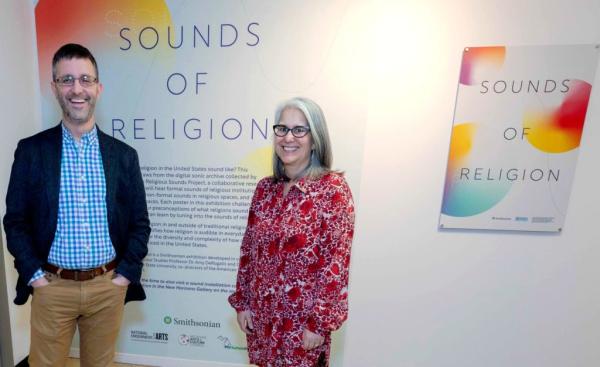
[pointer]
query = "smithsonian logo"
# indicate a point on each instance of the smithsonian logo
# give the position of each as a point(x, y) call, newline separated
point(168, 320)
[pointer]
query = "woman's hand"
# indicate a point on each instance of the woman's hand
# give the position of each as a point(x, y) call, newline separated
point(311, 340)
point(244, 319)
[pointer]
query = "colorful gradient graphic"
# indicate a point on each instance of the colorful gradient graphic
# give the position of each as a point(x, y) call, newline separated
point(96, 25)
point(559, 130)
point(474, 57)
point(463, 198)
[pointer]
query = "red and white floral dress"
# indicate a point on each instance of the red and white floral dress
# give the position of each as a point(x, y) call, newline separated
point(293, 271)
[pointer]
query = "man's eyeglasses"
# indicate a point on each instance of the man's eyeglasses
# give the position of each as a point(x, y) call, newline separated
point(86, 81)
point(297, 131)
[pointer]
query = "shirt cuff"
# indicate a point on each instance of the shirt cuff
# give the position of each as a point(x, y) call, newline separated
point(37, 275)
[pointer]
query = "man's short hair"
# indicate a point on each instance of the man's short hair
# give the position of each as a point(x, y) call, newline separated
point(73, 51)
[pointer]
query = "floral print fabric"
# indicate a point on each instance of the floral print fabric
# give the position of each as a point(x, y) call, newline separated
point(293, 271)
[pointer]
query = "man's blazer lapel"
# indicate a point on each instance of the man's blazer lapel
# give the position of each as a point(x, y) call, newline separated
point(110, 175)
point(51, 154)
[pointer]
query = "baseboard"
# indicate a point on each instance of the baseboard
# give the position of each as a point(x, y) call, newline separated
point(147, 360)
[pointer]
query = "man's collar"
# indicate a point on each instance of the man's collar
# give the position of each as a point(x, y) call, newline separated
point(87, 138)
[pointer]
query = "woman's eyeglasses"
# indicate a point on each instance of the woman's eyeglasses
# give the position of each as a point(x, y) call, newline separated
point(297, 131)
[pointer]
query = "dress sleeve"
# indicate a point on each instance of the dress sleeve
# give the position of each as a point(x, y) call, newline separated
point(330, 308)
point(239, 300)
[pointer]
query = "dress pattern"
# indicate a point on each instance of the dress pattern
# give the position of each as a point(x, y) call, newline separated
point(293, 271)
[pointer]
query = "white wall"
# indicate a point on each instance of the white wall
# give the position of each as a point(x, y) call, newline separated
point(20, 106)
point(421, 297)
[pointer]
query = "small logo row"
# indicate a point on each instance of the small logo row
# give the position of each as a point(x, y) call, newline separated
point(182, 339)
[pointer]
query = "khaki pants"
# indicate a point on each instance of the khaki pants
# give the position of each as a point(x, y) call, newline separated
point(94, 306)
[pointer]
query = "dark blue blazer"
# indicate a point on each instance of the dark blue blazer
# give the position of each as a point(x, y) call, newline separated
point(32, 207)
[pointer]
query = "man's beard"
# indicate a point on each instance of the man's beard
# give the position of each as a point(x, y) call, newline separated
point(78, 117)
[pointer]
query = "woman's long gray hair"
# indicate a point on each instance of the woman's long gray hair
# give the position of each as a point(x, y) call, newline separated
point(320, 156)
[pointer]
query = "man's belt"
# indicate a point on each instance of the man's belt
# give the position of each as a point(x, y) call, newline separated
point(80, 275)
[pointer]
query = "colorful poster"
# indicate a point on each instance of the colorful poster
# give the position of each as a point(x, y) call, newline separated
point(518, 123)
point(192, 86)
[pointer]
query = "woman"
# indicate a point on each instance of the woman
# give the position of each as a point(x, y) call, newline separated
point(292, 285)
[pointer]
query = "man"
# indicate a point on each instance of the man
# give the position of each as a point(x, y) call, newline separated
point(76, 222)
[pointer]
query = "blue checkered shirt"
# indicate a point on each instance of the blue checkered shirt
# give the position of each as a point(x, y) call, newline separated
point(81, 240)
